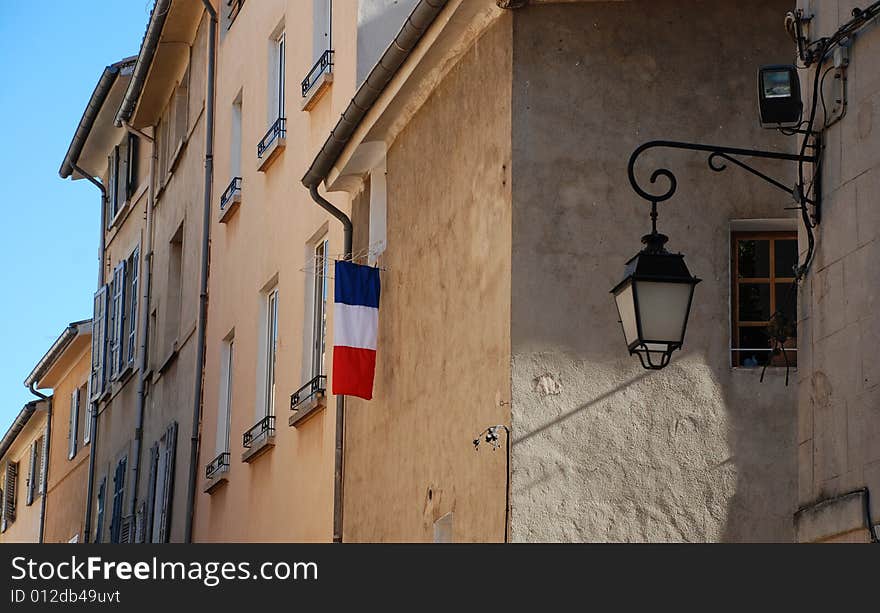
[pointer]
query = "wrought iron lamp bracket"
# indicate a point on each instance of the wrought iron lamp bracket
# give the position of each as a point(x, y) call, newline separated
point(717, 160)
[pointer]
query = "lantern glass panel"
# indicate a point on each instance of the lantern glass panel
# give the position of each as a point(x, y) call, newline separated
point(663, 309)
point(627, 311)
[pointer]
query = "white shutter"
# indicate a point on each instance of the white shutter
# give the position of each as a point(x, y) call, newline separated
point(31, 478)
point(74, 420)
point(44, 467)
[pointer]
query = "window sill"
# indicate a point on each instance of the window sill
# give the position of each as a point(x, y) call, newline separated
point(213, 484)
point(258, 448)
point(307, 411)
point(169, 359)
point(231, 207)
point(317, 92)
point(271, 152)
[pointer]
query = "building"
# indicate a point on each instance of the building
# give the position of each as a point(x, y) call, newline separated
point(65, 370)
point(285, 71)
point(838, 430)
point(485, 158)
point(117, 163)
point(23, 474)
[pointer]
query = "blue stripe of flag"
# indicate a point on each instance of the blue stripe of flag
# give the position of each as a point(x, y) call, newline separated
point(357, 285)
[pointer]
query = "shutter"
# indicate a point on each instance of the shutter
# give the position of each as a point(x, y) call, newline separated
point(118, 496)
point(44, 466)
point(168, 490)
point(125, 532)
point(31, 478)
point(140, 523)
point(87, 420)
point(134, 274)
point(9, 504)
point(151, 490)
point(74, 420)
point(102, 495)
point(117, 319)
point(99, 345)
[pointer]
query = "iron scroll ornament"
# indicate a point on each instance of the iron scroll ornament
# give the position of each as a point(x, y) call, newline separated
point(718, 156)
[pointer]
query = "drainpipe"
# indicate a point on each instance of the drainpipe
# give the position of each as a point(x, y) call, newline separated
point(146, 264)
point(93, 406)
point(340, 400)
point(45, 467)
point(203, 291)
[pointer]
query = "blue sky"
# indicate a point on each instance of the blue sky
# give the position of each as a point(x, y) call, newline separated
point(51, 56)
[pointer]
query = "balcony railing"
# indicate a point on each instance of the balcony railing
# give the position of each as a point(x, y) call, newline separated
point(233, 189)
point(324, 64)
point(278, 130)
point(263, 428)
point(315, 387)
point(217, 465)
point(234, 7)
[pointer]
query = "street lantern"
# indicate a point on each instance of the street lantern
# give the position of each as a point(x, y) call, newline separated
point(654, 301)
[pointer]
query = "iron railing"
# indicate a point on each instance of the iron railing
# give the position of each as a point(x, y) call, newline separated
point(278, 130)
point(217, 465)
point(324, 64)
point(316, 386)
point(233, 188)
point(234, 9)
point(264, 427)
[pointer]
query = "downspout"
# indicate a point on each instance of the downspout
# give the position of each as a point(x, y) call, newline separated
point(203, 282)
point(146, 264)
point(338, 498)
point(93, 406)
point(45, 467)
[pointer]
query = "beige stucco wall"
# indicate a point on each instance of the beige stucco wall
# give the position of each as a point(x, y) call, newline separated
point(443, 354)
point(604, 450)
point(839, 381)
point(285, 494)
point(26, 527)
point(68, 477)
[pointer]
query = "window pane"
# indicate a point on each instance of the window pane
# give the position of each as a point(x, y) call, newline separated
point(754, 258)
point(786, 258)
point(786, 300)
point(754, 302)
point(752, 338)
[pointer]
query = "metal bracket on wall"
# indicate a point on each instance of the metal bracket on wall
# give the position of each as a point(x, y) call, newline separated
point(718, 155)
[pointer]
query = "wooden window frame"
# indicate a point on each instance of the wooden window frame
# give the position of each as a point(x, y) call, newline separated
point(771, 236)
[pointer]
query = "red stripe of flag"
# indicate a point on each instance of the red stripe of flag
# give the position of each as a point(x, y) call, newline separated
point(353, 371)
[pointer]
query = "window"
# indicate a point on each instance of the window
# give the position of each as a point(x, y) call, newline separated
point(73, 423)
point(235, 139)
point(161, 486)
point(173, 126)
point(277, 72)
point(174, 289)
point(35, 469)
point(9, 491)
point(102, 499)
point(224, 414)
point(116, 320)
point(319, 309)
point(99, 343)
point(763, 284)
point(131, 165)
point(118, 501)
point(270, 345)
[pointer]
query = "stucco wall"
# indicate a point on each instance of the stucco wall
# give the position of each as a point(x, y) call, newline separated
point(839, 380)
point(442, 367)
point(603, 449)
point(68, 478)
point(285, 494)
point(26, 527)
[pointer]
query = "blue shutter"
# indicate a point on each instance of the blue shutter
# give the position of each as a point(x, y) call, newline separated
point(99, 343)
point(134, 274)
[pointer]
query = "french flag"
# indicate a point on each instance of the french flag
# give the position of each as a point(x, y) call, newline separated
point(355, 327)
